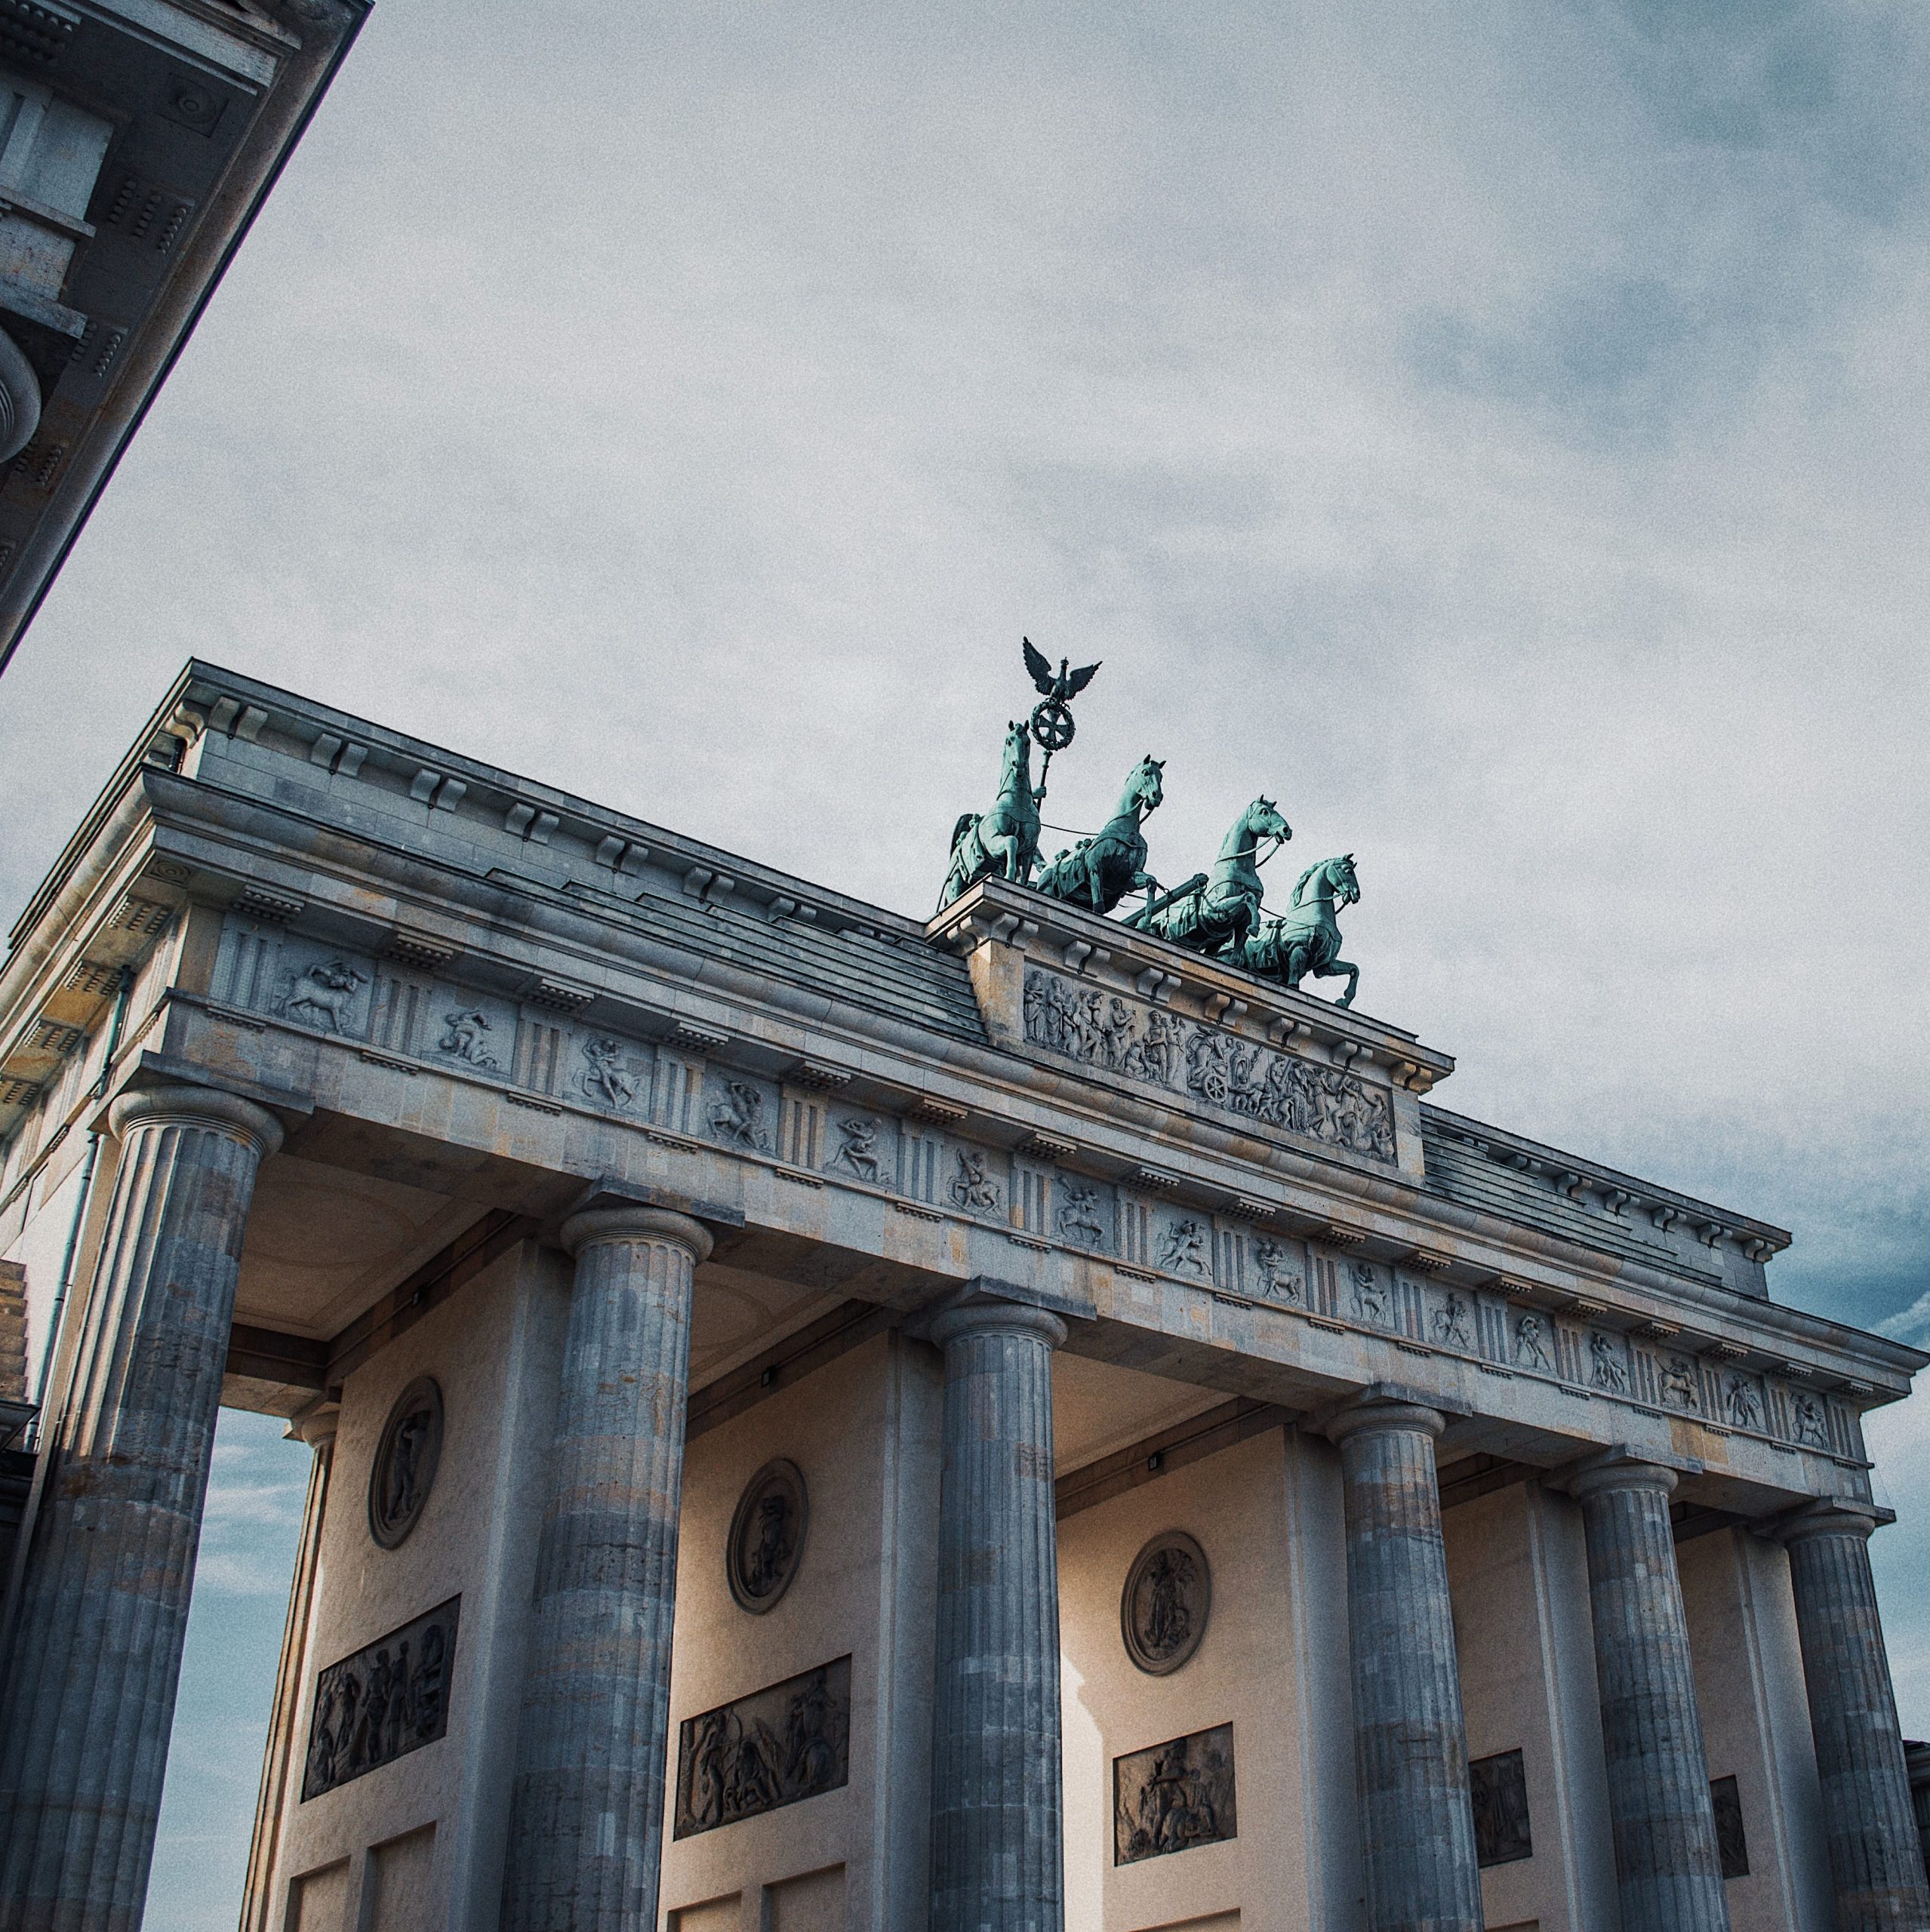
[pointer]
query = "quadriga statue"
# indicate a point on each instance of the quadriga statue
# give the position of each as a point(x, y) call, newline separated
point(1307, 939)
point(1099, 871)
point(1216, 913)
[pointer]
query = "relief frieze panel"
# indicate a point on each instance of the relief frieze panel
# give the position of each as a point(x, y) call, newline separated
point(1173, 1796)
point(1191, 1059)
point(777, 1746)
point(381, 1702)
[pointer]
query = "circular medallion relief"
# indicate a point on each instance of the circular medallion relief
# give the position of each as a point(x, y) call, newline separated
point(405, 1461)
point(1167, 1599)
point(767, 1536)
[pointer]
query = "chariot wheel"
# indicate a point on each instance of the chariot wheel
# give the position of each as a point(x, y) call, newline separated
point(1052, 725)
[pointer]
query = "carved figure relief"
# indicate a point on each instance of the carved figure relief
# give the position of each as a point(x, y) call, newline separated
point(767, 1536)
point(1531, 1345)
point(1182, 1248)
point(1731, 1841)
point(1606, 1369)
point(1167, 1598)
point(773, 1748)
point(405, 1459)
point(1812, 1425)
point(1322, 1103)
point(465, 1035)
point(1278, 1281)
point(1678, 1383)
point(972, 1188)
point(857, 1148)
point(1079, 1215)
point(1499, 1788)
point(1742, 1403)
point(608, 1079)
point(323, 995)
point(1370, 1294)
point(1174, 1796)
point(1451, 1328)
point(738, 1117)
point(388, 1699)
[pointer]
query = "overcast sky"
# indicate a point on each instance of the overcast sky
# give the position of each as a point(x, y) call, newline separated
point(1497, 432)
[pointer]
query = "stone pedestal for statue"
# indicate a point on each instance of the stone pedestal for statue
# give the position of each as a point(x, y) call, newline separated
point(90, 1695)
point(587, 1818)
point(996, 1838)
point(1668, 1869)
point(1416, 1829)
point(1876, 1864)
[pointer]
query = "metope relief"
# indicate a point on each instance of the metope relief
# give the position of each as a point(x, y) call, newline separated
point(739, 1115)
point(1372, 1293)
point(1174, 1796)
point(1742, 1402)
point(1498, 1788)
point(1185, 1246)
point(1189, 1057)
point(390, 1698)
point(767, 1536)
point(1164, 1607)
point(1277, 1277)
point(406, 1454)
point(612, 1075)
point(1451, 1324)
point(973, 1188)
point(775, 1747)
point(857, 1152)
point(1083, 1213)
point(326, 994)
point(1607, 1369)
point(1530, 1350)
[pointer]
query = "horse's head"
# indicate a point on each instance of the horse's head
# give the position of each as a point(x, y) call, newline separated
point(1263, 819)
point(1145, 787)
point(1346, 887)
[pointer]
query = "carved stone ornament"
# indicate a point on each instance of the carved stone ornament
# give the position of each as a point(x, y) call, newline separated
point(1174, 1796)
point(405, 1459)
point(1163, 1607)
point(772, 1747)
point(1209, 1065)
point(1498, 1788)
point(767, 1536)
point(388, 1699)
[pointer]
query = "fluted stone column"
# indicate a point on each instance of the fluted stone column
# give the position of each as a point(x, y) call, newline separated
point(1410, 1740)
point(89, 1696)
point(997, 1858)
point(587, 1812)
point(1875, 1862)
point(1668, 1870)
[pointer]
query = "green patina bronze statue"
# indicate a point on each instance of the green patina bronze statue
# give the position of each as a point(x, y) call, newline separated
point(1216, 915)
point(1004, 841)
point(1307, 939)
point(1099, 871)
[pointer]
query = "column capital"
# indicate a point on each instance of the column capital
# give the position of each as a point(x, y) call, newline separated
point(196, 1106)
point(603, 1225)
point(988, 1315)
point(1380, 1409)
point(1827, 1516)
point(1617, 1469)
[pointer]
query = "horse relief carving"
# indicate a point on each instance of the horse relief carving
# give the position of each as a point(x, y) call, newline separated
point(1079, 1215)
point(1278, 1281)
point(1451, 1327)
point(608, 1079)
point(322, 995)
point(1679, 1384)
point(972, 1188)
point(1106, 1031)
point(737, 1117)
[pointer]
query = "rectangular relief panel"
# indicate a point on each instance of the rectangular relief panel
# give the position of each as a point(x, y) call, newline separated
point(1173, 1796)
point(1499, 1788)
point(788, 1742)
point(390, 1698)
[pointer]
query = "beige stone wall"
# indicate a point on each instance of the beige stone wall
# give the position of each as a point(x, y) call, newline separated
point(863, 1430)
point(1272, 1662)
point(1749, 1685)
point(1519, 1574)
point(417, 1844)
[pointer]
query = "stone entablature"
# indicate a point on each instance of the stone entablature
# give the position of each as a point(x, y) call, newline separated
point(1148, 1188)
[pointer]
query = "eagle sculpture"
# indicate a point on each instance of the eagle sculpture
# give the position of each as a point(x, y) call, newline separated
point(1056, 688)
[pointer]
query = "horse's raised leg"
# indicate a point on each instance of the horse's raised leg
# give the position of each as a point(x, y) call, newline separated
point(1333, 970)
